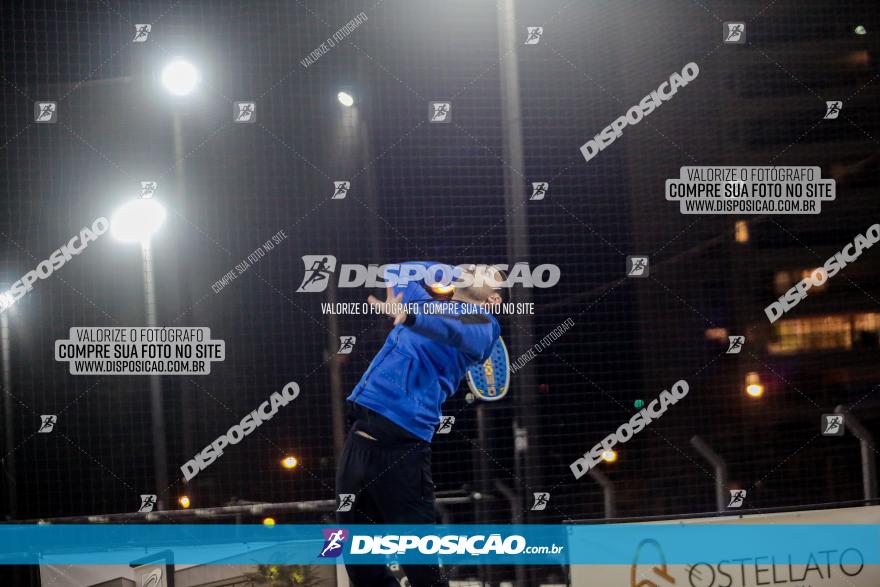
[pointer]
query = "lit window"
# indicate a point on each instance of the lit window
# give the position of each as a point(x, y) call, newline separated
point(785, 280)
point(825, 333)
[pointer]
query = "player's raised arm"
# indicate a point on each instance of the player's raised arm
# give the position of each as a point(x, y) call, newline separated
point(473, 333)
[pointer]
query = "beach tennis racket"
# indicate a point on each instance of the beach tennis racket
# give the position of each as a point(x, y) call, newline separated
point(490, 379)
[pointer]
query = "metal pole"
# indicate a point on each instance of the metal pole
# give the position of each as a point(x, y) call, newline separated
point(9, 460)
point(247, 509)
point(869, 460)
point(607, 490)
point(481, 465)
point(186, 392)
point(160, 451)
point(520, 332)
point(481, 476)
point(515, 518)
point(720, 470)
point(512, 498)
point(337, 393)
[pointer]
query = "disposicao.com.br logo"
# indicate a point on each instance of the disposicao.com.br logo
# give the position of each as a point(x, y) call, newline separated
point(432, 544)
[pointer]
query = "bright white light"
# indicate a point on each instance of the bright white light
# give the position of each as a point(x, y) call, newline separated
point(137, 220)
point(345, 98)
point(180, 77)
point(6, 300)
point(609, 456)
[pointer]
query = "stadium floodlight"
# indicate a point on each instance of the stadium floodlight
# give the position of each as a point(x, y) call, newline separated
point(137, 220)
point(180, 77)
point(289, 462)
point(609, 456)
point(184, 501)
point(345, 99)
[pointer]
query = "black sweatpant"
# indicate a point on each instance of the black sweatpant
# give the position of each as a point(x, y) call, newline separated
point(391, 480)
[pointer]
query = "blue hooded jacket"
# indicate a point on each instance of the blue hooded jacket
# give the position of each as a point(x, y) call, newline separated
point(423, 360)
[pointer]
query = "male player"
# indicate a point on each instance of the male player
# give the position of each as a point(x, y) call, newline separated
point(396, 406)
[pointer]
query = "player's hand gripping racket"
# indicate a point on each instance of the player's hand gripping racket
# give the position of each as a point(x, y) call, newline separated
point(490, 379)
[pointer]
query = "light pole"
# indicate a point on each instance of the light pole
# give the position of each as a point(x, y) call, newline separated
point(9, 421)
point(180, 78)
point(349, 144)
point(136, 222)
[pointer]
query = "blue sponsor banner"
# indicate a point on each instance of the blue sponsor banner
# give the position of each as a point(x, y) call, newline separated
point(859, 544)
